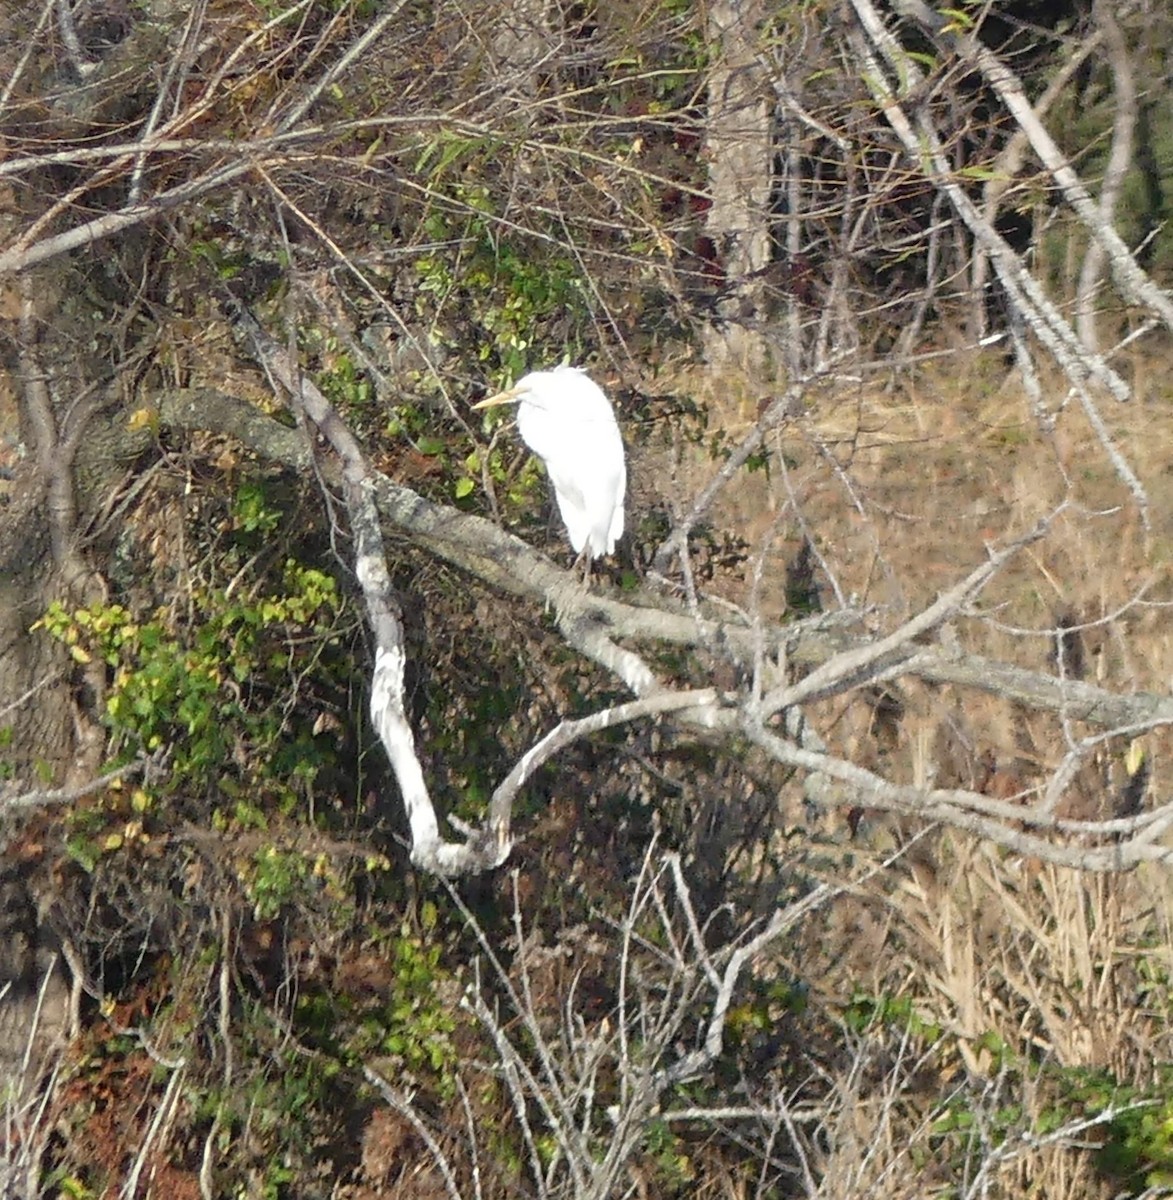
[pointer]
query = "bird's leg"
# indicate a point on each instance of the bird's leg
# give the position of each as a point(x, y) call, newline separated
point(584, 560)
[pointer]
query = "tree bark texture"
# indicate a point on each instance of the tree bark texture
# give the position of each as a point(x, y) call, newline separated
point(738, 153)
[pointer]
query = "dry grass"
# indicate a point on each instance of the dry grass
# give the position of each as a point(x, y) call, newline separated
point(1024, 968)
point(901, 485)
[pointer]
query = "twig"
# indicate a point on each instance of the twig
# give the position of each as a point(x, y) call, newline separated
point(780, 411)
point(856, 664)
point(148, 764)
point(29, 50)
point(402, 1104)
point(72, 43)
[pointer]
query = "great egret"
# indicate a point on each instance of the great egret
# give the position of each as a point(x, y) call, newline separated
point(567, 421)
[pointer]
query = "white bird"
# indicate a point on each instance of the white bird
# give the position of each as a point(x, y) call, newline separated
point(568, 422)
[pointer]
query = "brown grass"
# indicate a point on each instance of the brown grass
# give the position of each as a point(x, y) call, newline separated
point(900, 487)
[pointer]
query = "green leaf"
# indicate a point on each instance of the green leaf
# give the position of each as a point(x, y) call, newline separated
point(958, 20)
point(980, 174)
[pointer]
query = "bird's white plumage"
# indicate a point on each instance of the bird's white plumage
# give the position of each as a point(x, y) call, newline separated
point(568, 422)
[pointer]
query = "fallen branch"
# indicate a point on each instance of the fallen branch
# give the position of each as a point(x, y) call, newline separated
point(593, 624)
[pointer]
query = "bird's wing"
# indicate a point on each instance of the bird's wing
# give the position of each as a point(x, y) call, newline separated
point(616, 530)
point(590, 488)
point(574, 507)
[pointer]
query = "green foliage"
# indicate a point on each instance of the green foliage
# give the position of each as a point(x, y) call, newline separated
point(410, 1022)
point(205, 686)
point(278, 877)
point(508, 292)
point(6, 768)
point(765, 1005)
point(452, 148)
point(669, 1152)
point(867, 1013)
point(213, 254)
point(1137, 1134)
point(251, 509)
point(517, 491)
point(1132, 1126)
point(278, 1105)
point(415, 1024)
point(73, 1188)
point(342, 381)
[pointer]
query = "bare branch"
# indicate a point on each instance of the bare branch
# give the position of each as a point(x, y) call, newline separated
point(149, 765)
point(15, 76)
point(858, 665)
point(924, 147)
point(592, 622)
point(71, 42)
point(483, 850)
point(779, 412)
point(402, 1103)
point(1119, 160)
point(1132, 280)
point(960, 811)
point(569, 731)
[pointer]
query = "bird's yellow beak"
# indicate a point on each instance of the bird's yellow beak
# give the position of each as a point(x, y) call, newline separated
point(506, 397)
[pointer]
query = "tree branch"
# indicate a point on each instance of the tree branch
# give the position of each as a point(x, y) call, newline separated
point(961, 810)
point(503, 561)
point(1119, 159)
point(570, 731)
point(482, 850)
point(924, 148)
point(150, 766)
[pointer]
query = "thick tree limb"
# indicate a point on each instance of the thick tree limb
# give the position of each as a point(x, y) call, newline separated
point(488, 846)
point(593, 623)
point(506, 562)
point(483, 849)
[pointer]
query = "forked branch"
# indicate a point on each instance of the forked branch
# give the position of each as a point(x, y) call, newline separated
point(487, 846)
